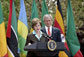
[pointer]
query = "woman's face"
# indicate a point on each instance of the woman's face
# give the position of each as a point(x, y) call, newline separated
point(37, 27)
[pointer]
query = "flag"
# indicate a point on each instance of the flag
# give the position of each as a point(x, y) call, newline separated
point(58, 23)
point(34, 12)
point(11, 35)
point(22, 29)
point(44, 11)
point(71, 35)
point(3, 44)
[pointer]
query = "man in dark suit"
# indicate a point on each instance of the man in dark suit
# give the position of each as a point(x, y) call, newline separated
point(53, 32)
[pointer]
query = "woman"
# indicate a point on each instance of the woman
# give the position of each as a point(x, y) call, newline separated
point(35, 36)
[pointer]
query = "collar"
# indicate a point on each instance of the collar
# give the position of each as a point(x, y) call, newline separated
point(34, 32)
point(47, 27)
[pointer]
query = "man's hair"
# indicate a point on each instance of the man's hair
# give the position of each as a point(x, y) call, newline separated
point(48, 16)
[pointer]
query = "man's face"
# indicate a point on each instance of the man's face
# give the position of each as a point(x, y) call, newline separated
point(48, 21)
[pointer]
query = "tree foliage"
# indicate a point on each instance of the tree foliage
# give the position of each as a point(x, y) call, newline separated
point(78, 9)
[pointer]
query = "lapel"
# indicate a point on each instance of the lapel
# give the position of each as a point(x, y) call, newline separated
point(52, 32)
point(45, 30)
point(37, 38)
point(34, 37)
point(42, 38)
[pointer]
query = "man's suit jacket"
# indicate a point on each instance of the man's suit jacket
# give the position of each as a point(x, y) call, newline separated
point(56, 35)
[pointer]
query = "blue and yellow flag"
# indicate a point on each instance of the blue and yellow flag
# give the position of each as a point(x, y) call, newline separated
point(22, 29)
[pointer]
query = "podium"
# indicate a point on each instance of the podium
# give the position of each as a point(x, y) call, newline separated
point(41, 49)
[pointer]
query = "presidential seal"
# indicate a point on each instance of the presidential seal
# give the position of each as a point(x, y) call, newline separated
point(51, 45)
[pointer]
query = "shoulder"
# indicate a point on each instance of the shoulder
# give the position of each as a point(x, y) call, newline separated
point(42, 28)
point(30, 34)
point(54, 28)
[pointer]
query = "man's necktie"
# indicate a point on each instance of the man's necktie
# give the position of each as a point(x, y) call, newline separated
point(49, 32)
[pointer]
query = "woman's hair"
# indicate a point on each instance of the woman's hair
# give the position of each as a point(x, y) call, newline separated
point(35, 21)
